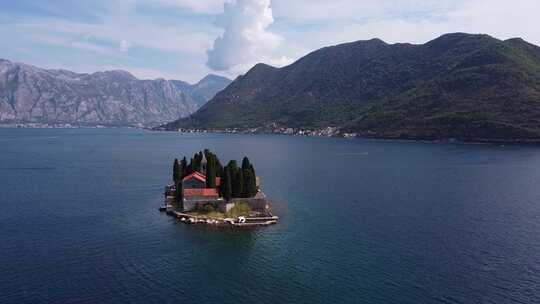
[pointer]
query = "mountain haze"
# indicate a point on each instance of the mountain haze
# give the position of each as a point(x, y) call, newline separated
point(115, 98)
point(463, 86)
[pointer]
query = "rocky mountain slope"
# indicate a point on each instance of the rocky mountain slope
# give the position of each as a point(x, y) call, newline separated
point(114, 98)
point(462, 86)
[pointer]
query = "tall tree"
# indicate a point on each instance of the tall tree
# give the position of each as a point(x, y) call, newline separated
point(250, 183)
point(226, 187)
point(245, 163)
point(196, 162)
point(184, 167)
point(211, 173)
point(179, 195)
point(219, 167)
point(237, 183)
point(190, 168)
point(250, 179)
point(176, 171)
point(232, 165)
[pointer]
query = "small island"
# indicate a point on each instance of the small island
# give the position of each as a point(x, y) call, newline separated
point(205, 191)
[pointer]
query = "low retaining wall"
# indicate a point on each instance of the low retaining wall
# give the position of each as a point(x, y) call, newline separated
point(191, 204)
point(256, 204)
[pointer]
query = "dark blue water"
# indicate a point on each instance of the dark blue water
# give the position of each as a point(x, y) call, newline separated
point(362, 222)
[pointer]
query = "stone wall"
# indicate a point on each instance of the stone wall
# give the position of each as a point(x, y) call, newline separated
point(258, 203)
point(191, 204)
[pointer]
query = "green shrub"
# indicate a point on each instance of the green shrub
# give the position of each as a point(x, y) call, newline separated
point(207, 208)
point(239, 210)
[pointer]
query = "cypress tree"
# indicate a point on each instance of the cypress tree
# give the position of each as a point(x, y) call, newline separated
point(221, 172)
point(237, 183)
point(232, 166)
point(211, 157)
point(210, 174)
point(250, 183)
point(184, 167)
point(196, 162)
point(176, 171)
point(218, 166)
point(245, 163)
point(179, 195)
point(190, 168)
point(226, 187)
point(250, 178)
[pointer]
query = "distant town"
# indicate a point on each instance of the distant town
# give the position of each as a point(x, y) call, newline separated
point(322, 132)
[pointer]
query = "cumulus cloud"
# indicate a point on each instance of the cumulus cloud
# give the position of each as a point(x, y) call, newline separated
point(246, 39)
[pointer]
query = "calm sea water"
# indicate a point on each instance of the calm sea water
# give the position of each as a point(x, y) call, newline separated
point(362, 222)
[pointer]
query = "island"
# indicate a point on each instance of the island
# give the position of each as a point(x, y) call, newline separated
point(205, 191)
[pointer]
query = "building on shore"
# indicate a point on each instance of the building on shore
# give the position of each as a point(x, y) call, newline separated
point(196, 194)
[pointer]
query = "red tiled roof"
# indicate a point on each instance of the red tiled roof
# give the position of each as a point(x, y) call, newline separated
point(201, 177)
point(196, 175)
point(206, 192)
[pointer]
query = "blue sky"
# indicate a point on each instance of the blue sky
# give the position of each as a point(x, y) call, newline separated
point(187, 39)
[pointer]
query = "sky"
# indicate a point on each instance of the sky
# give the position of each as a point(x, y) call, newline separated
point(188, 39)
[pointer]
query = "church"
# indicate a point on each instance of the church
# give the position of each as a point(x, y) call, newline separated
point(194, 185)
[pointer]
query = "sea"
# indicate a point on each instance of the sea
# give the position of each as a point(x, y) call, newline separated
point(361, 221)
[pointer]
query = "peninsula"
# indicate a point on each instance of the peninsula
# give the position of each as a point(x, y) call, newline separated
point(205, 191)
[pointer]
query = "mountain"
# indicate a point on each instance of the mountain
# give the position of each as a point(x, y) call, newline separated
point(115, 98)
point(207, 88)
point(458, 86)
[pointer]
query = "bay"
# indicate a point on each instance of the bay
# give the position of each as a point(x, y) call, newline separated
point(361, 221)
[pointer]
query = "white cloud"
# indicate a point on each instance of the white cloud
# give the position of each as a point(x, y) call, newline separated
point(348, 10)
point(246, 32)
point(323, 23)
point(164, 38)
point(246, 39)
point(198, 6)
point(66, 42)
point(125, 46)
point(302, 26)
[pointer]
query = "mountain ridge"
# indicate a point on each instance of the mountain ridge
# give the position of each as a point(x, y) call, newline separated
point(32, 95)
point(385, 90)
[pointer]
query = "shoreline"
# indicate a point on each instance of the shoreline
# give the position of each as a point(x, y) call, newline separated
point(273, 132)
point(191, 219)
point(356, 136)
point(65, 126)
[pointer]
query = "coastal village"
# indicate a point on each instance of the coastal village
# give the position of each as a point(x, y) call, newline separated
point(275, 129)
point(205, 191)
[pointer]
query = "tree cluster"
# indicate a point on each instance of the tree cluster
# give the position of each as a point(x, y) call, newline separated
point(236, 181)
